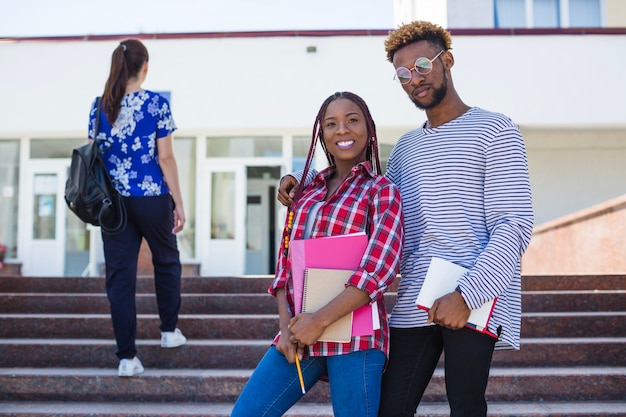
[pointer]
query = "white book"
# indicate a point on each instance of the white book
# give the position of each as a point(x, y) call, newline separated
point(441, 279)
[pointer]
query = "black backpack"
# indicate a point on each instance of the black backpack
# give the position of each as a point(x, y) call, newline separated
point(89, 191)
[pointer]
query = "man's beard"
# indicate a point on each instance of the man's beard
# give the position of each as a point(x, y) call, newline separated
point(438, 96)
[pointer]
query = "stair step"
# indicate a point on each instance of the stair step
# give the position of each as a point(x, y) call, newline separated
point(87, 303)
point(97, 353)
point(64, 326)
point(573, 282)
point(573, 324)
point(264, 326)
point(125, 409)
point(263, 303)
point(573, 300)
point(145, 284)
point(242, 354)
point(260, 283)
point(211, 385)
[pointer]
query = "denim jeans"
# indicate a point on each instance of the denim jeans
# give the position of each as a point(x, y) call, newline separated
point(274, 385)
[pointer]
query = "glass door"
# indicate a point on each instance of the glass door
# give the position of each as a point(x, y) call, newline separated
point(43, 219)
point(54, 242)
point(221, 220)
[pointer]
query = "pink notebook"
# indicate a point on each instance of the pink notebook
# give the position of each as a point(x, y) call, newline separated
point(333, 252)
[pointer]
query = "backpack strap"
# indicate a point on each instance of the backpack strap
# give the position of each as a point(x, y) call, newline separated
point(117, 202)
point(97, 125)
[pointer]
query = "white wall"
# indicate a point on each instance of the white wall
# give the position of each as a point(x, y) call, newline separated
point(251, 83)
point(228, 83)
point(545, 80)
point(571, 170)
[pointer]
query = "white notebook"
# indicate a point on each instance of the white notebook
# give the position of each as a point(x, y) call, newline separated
point(441, 278)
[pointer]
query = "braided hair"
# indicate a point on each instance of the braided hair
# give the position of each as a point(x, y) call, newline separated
point(318, 136)
point(371, 153)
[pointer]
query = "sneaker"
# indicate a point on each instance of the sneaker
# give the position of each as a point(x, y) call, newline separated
point(130, 367)
point(172, 339)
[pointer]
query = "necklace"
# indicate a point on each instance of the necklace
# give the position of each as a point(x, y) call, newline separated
point(287, 232)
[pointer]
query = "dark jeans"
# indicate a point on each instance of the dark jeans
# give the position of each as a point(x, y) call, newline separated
point(153, 219)
point(413, 358)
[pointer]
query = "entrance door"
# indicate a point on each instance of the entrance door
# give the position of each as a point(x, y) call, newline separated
point(54, 242)
point(220, 224)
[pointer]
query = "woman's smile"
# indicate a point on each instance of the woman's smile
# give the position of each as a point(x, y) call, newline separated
point(345, 144)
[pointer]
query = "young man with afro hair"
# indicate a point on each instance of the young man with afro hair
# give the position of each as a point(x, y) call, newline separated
point(463, 177)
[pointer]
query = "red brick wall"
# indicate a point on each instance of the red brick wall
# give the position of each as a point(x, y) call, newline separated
point(591, 241)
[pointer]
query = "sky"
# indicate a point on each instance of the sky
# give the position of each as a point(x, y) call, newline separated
point(34, 18)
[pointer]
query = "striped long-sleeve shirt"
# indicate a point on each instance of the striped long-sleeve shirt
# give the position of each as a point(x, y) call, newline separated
point(466, 198)
point(363, 202)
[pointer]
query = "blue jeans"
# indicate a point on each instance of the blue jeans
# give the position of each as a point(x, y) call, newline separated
point(274, 386)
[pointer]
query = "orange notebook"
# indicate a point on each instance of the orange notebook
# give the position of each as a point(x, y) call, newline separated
point(320, 287)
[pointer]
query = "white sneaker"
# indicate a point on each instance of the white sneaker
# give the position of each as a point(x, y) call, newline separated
point(130, 367)
point(172, 339)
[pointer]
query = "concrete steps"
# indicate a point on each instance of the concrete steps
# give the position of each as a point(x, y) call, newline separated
point(220, 303)
point(245, 353)
point(263, 326)
point(223, 385)
point(146, 409)
point(57, 351)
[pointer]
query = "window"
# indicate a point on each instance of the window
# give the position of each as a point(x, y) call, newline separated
point(54, 148)
point(546, 13)
point(222, 203)
point(9, 183)
point(185, 151)
point(301, 146)
point(584, 13)
point(244, 146)
point(44, 206)
point(510, 13)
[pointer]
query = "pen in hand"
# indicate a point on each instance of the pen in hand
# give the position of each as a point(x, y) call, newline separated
point(300, 372)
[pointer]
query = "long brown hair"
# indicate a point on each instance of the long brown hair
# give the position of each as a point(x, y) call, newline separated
point(127, 60)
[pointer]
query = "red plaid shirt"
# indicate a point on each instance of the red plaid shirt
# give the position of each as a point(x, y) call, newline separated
point(364, 202)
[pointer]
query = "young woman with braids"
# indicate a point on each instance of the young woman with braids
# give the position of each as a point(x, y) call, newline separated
point(349, 196)
point(135, 133)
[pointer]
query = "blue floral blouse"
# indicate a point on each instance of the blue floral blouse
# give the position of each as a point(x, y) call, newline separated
point(130, 143)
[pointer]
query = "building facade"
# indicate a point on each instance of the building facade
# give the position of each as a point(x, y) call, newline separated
point(245, 103)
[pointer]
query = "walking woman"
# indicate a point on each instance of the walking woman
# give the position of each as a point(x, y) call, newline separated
point(135, 132)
